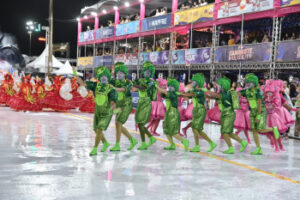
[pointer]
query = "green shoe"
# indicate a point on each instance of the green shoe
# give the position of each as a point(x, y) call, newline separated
point(212, 146)
point(116, 147)
point(229, 151)
point(152, 140)
point(195, 149)
point(105, 146)
point(244, 145)
point(94, 151)
point(133, 142)
point(171, 147)
point(186, 144)
point(258, 151)
point(144, 146)
point(276, 132)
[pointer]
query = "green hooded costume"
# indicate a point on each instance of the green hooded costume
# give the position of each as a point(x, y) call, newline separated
point(104, 95)
point(172, 116)
point(199, 111)
point(226, 107)
point(124, 98)
point(146, 95)
point(253, 95)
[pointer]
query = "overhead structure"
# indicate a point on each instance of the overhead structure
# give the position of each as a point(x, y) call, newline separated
point(41, 63)
point(66, 70)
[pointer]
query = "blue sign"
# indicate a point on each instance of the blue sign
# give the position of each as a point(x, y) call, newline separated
point(128, 28)
point(135, 98)
point(105, 32)
point(159, 22)
point(103, 61)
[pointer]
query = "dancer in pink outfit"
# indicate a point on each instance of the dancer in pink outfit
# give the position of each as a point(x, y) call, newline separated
point(158, 110)
point(278, 115)
point(242, 120)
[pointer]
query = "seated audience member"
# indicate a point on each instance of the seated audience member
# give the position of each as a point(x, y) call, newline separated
point(231, 40)
point(265, 38)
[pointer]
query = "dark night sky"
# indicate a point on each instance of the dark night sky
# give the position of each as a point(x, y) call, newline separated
point(15, 13)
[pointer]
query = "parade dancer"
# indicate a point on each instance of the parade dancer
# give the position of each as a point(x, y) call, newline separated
point(6, 89)
point(227, 104)
point(172, 116)
point(123, 87)
point(88, 105)
point(158, 109)
point(106, 98)
point(258, 112)
point(199, 112)
point(147, 93)
point(242, 121)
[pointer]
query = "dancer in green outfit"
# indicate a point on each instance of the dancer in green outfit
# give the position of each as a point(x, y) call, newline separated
point(258, 112)
point(147, 93)
point(199, 111)
point(105, 98)
point(172, 116)
point(123, 87)
point(227, 103)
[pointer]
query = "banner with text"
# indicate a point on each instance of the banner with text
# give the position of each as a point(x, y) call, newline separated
point(128, 59)
point(85, 62)
point(128, 28)
point(194, 15)
point(159, 22)
point(191, 56)
point(103, 61)
point(238, 7)
point(289, 2)
point(288, 51)
point(105, 32)
point(249, 52)
point(157, 58)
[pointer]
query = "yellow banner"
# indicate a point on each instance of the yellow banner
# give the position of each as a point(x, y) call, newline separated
point(200, 14)
point(289, 2)
point(85, 61)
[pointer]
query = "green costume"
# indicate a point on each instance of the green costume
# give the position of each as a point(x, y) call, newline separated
point(228, 103)
point(172, 116)
point(124, 98)
point(147, 93)
point(226, 107)
point(253, 95)
point(104, 95)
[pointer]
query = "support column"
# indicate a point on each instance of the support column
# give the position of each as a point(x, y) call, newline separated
point(215, 43)
point(117, 19)
point(142, 13)
point(174, 10)
point(79, 30)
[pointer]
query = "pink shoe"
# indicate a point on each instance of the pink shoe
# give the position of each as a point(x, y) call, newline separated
point(276, 150)
point(154, 133)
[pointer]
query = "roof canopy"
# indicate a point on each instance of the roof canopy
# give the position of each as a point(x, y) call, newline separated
point(40, 63)
point(66, 70)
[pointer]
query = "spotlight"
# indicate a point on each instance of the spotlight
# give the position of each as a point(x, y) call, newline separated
point(29, 23)
point(85, 16)
point(104, 11)
point(142, 1)
point(115, 8)
point(94, 14)
point(78, 19)
point(127, 4)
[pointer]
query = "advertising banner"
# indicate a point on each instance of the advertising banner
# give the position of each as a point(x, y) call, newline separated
point(105, 32)
point(103, 61)
point(88, 36)
point(157, 58)
point(249, 52)
point(132, 59)
point(191, 56)
point(238, 7)
point(289, 2)
point(85, 62)
point(128, 28)
point(288, 51)
point(81, 37)
point(194, 15)
point(159, 22)
point(119, 58)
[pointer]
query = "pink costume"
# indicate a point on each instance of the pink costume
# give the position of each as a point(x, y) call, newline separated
point(214, 114)
point(242, 119)
point(158, 107)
